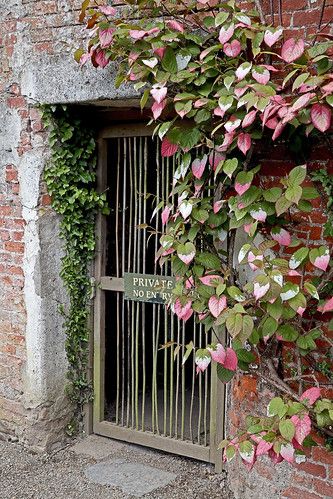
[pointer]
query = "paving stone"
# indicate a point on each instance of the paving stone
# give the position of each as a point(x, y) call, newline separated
point(132, 478)
point(97, 447)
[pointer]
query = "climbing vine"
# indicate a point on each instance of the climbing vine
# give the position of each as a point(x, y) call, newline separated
point(218, 83)
point(70, 180)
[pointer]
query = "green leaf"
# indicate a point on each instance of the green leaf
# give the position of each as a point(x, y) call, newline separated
point(311, 289)
point(230, 452)
point(310, 193)
point(209, 261)
point(297, 175)
point(298, 257)
point(224, 375)
point(329, 100)
point(229, 166)
point(319, 49)
point(275, 309)
point(282, 205)
point(276, 407)
point(220, 18)
point(169, 61)
point(273, 194)
point(269, 326)
point(294, 193)
point(287, 332)
point(300, 80)
point(144, 98)
point(304, 205)
point(287, 429)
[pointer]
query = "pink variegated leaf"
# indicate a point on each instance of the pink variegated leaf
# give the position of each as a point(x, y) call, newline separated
point(232, 124)
point(181, 310)
point(241, 188)
point(244, 142)
point(226, 33)
point(311, 395)
point(231, 361)
point(278, 130)
point(107, 10)
point(165, 215)
point(199, 103)
point(186, 252)
point(327, 307)
point(261, 75)
point(271, 38)
point(287, 452)
point(217, 304)
point(215, 159)
point(211, 280)
point(321, 262)
point(168, 148)
point(217, 206)
point(137, 34)
point(160, 51)
point(219, 112)
point(105, 37)
point(260, 215)
point(157, 108)
point(251, 257)
point(175, 25)
point(198, 166)
point(263, 447)
point(281, 235)
point(202, 359)
point(243, 70)
point(302, 427)
point(100, 58)
point(217, 353)
point(249, 118)
point(292, 49)
point(260, 291)
point(159, 93)
point(232, 49)
point(321, 117)
point(302, 101)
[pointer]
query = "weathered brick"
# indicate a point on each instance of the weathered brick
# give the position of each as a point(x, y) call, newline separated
point(312, 469)
point(296, 493)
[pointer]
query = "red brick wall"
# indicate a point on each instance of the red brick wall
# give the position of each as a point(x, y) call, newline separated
point(314, 478)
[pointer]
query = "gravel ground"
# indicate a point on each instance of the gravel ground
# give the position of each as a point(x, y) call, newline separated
point(62, 475)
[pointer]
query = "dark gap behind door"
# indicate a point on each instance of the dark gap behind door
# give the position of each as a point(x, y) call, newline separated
point(135, 331)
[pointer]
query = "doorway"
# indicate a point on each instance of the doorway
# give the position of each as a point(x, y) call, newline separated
point(143, 392)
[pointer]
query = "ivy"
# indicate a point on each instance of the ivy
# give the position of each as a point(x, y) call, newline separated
point(70, 179)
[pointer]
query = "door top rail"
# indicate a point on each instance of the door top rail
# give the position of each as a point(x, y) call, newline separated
point(126, 130)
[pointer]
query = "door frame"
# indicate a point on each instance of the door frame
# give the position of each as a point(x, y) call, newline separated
point(99, 425)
